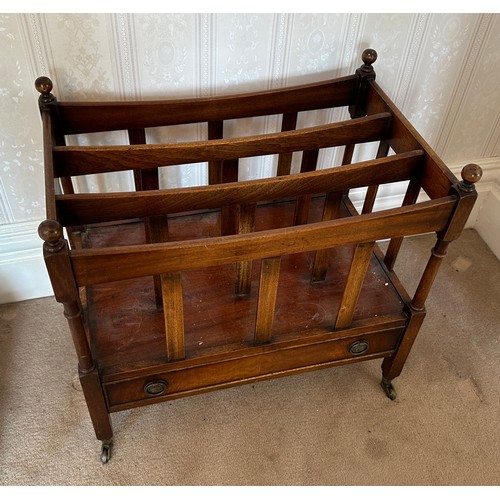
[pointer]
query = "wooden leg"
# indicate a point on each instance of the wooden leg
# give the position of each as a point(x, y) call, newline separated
point(393, 366)
point(96, 404)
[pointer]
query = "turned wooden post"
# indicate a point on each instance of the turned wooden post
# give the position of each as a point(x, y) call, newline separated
point(392, 367)
point(57, 260)
point(471, 173)
point(365, 74)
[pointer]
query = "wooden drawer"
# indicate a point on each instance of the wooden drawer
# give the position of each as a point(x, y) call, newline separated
point(186, 377)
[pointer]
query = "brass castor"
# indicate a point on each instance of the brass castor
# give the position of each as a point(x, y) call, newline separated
point(106, 451)
point(388, 389)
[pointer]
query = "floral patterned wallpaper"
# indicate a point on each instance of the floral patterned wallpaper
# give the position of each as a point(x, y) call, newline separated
point(442, 69)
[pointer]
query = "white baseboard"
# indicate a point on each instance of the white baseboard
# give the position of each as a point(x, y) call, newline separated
point(23, 274)
point(488, 220)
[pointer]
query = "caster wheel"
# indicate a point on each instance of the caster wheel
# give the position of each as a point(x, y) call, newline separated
point(388, 389)
point(106, 451)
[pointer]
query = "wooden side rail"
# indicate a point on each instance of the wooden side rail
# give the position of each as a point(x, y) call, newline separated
point(84, 160)
point(87, 208)
point(82, 118)
point(100, 265)
point(437, 179)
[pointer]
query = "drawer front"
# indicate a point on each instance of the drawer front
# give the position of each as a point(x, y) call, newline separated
point(269, 361)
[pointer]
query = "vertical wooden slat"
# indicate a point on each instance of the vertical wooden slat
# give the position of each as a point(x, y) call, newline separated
point(268, 288)
point(156, 228)
point(331, 211)
point(357, 272)
point(371, 193)
point(74, 232)
point(145, 179)
point(215, 131)
point(285, 159)
point(171, 285)
point(309, 161)
point(137, 136)
point(348, 154)
point(230, 170)
point(67, 185)
point(244, 269)
point(230, 213)
point(410, 198)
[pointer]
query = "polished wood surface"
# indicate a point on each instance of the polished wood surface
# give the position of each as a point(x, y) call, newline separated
point(215, 318)
point(173, 292)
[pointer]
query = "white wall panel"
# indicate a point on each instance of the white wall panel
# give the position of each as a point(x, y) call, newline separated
point(21, 176)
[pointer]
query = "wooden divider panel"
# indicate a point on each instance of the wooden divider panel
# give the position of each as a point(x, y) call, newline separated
point(85, 160)
point(85, 117)
point(100, 265)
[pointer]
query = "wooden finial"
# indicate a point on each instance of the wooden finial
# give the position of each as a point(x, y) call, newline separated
point(369, 56)
point(52, 233)
point(471, 174)
point(44, 85)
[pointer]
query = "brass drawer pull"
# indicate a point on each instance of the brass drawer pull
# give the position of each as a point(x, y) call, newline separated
point(359, 347)
point(155, 388)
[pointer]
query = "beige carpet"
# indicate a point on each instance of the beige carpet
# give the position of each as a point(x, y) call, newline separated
point(329, 427)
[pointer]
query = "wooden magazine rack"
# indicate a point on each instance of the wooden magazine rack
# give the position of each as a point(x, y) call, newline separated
point(173, 292)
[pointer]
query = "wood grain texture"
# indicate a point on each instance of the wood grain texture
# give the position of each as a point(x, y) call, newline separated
point(241, 266)
point(80, 209)
point(100, 265)
point(85, 117)
point(352, 289)
point(171, 286)
point(85, 160)
point(268, 288)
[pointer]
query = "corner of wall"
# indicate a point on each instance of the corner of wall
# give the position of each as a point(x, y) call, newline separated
point(485, 216)
point(22, 270)
point(487, 223)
